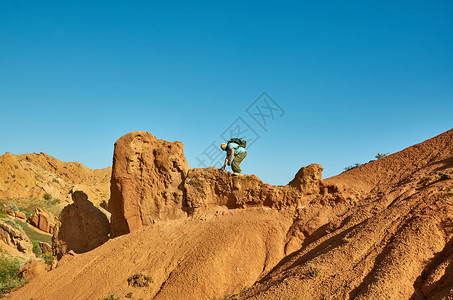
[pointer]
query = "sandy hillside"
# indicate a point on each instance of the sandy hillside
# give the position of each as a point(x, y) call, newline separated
point(391, 239)
point(35, 175)
point(396, 243)
point(186, 259)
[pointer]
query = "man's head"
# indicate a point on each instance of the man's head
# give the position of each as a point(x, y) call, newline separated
point(223, 146)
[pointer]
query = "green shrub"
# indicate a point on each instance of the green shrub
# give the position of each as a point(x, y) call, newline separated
point(381, 155)
point(48, 258)
point(47, 196)
point(352, 166)
point(9, 205)
point(9, 277)
point(112, 297)
point(445, 176)
point(224, 297)
point(313, 270)
point(36, 249)
point(139, 280)
point(54, 201)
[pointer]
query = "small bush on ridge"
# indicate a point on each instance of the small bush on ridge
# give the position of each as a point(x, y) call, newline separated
point(445, 176)
point(381, 155)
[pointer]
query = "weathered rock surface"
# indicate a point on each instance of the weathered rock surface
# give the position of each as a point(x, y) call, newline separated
point(209, 187)
point(7, 210)
point(32, 268)
point(82, 227)
point(15, 238)
point(43, 220)
point(20, 215)
point(380, 231)
point(45, 248)
point(308, 179)
point(37, 174)
point(147, 181)
point(316, 202)
point(151, 181)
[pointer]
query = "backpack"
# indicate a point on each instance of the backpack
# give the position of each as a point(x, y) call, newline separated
point(240, 142)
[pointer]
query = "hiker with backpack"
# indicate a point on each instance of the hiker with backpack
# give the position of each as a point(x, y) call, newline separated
point(235, 154)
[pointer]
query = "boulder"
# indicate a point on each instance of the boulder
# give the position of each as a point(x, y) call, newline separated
point(7, 210)
point(32, 268)
point(147, 182)
point(45, 248)
point(308, 179)
point(15, 238)
point(20, 215)
point(81, 227)
point(43, 220)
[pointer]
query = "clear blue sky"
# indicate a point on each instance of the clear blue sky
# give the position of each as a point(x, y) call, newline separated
point(352, 78)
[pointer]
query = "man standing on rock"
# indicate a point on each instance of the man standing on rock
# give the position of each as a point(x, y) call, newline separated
point(233, 150)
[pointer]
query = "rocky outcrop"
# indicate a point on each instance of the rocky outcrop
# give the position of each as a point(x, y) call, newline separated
point(20, 215)
point(32, 268)
point(36, 175)
point(45, 248)
point(15, 238)
point(7, 210)
point(13, 213)
point(147, 181)
point(81, 227)
point(209, 187)
point(308, 179)
point(43, 220)
point(151, 181)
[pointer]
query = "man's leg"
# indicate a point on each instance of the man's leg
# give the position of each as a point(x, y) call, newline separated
point(236, 161)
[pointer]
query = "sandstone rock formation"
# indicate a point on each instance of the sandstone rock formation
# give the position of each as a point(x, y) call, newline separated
point(308, 179)
point(209, 187)
point(7, 210)
point(43, 220)
point(45, 248)
point(380, 231)
point(15, 238)
point(151, 181)
point(32, 268)
point(37, 174)
point(20, 215)
point(81, 227)
point(188, 258)
point(395, 243)
point(147, 181)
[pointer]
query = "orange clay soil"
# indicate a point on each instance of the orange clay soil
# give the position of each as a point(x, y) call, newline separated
point(393, 242)
point(396, 243)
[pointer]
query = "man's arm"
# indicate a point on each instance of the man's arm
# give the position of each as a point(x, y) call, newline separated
point(224, 165)
point(230, 158)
